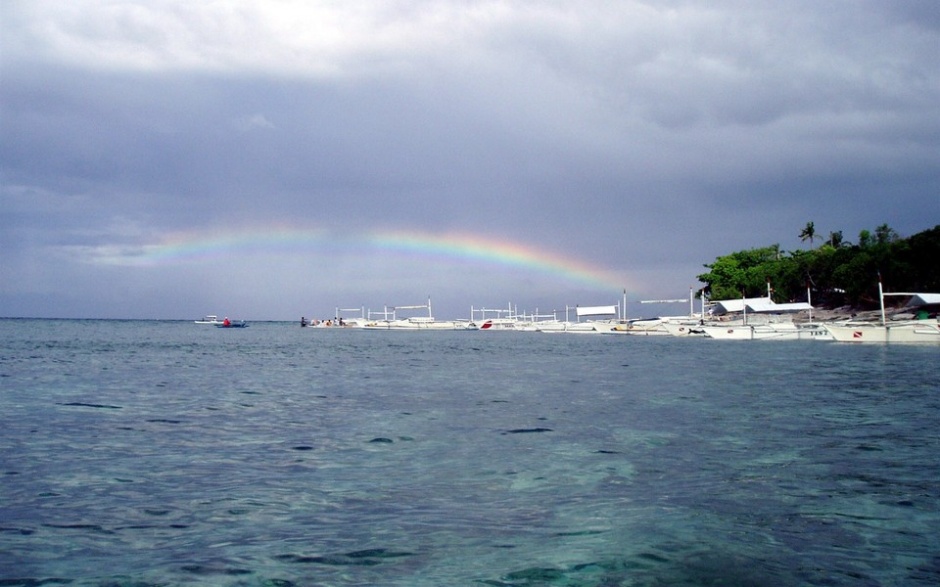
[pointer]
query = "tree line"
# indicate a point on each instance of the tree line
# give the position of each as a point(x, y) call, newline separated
point(836, 272)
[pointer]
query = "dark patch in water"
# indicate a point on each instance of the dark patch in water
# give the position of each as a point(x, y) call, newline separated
point(369, 557)
point(20, 531)
point(528, 430)
point(536, 575)
point(381, 440)
point(653, 557)
point(867, 447)
point(607, 452)
point(303, 447)
point(30, 582)
point(580, 533)
point(212, 570)
point(164, 421)
point(87, 405)
point(92, 527)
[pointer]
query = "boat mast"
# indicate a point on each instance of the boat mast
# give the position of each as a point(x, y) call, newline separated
point(809, 300)
point(881, 298)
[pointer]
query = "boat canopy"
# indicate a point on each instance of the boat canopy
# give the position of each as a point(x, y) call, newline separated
point(597, 311)
point(720, 307)
point(790, 307)
point(922, 299)
point(757, 305)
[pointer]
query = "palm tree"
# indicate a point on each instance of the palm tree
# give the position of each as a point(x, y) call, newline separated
point(809, 233)
point(835, 239)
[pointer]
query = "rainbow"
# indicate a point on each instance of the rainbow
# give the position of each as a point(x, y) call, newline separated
point(213, 246)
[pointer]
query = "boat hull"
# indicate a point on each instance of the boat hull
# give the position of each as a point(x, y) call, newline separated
point(916, 331)
point(684, 329)
point(783, 331)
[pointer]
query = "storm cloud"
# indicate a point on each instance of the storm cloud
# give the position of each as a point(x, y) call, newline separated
point(640, 139)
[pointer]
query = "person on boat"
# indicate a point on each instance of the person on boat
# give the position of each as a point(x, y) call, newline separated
point(303, 321)
point(226, 322)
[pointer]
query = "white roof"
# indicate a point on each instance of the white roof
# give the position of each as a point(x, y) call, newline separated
point(596, 310)
point(792, 307)
point(924, 299)
point(757, 305)
point(725, 306)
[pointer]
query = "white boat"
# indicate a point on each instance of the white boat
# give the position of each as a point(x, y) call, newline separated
point(373, 322)
point(642, 327)
point(210, 319)
point(769, 331)
point(531, 322)
point(567, 326)
point(905, 331)
point(691, 325)
point(762, 319)
point(413, 322)
point(684, 327)
point(653, 326)
point(589, 326)
point(492, 319)
point(901, 330)
point(344, 318)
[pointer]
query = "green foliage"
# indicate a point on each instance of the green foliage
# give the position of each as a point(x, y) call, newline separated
point(742, 273)
point(837, 272)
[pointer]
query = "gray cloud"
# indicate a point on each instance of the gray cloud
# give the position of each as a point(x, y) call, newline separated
point(646, 138)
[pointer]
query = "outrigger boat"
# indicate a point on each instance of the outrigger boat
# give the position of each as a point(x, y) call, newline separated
point(762, 319)
point(495, 319)
point(391, 321)
point(593, 320)
point(903, 329)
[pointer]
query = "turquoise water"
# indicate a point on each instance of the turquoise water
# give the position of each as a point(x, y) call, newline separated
point(167, 453)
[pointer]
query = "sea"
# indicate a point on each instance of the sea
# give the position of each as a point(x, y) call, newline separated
point(146, 453)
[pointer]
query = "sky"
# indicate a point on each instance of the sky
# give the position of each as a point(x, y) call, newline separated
point(271, 160)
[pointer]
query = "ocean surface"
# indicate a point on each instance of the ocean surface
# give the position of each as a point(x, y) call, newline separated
point(168, 453)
